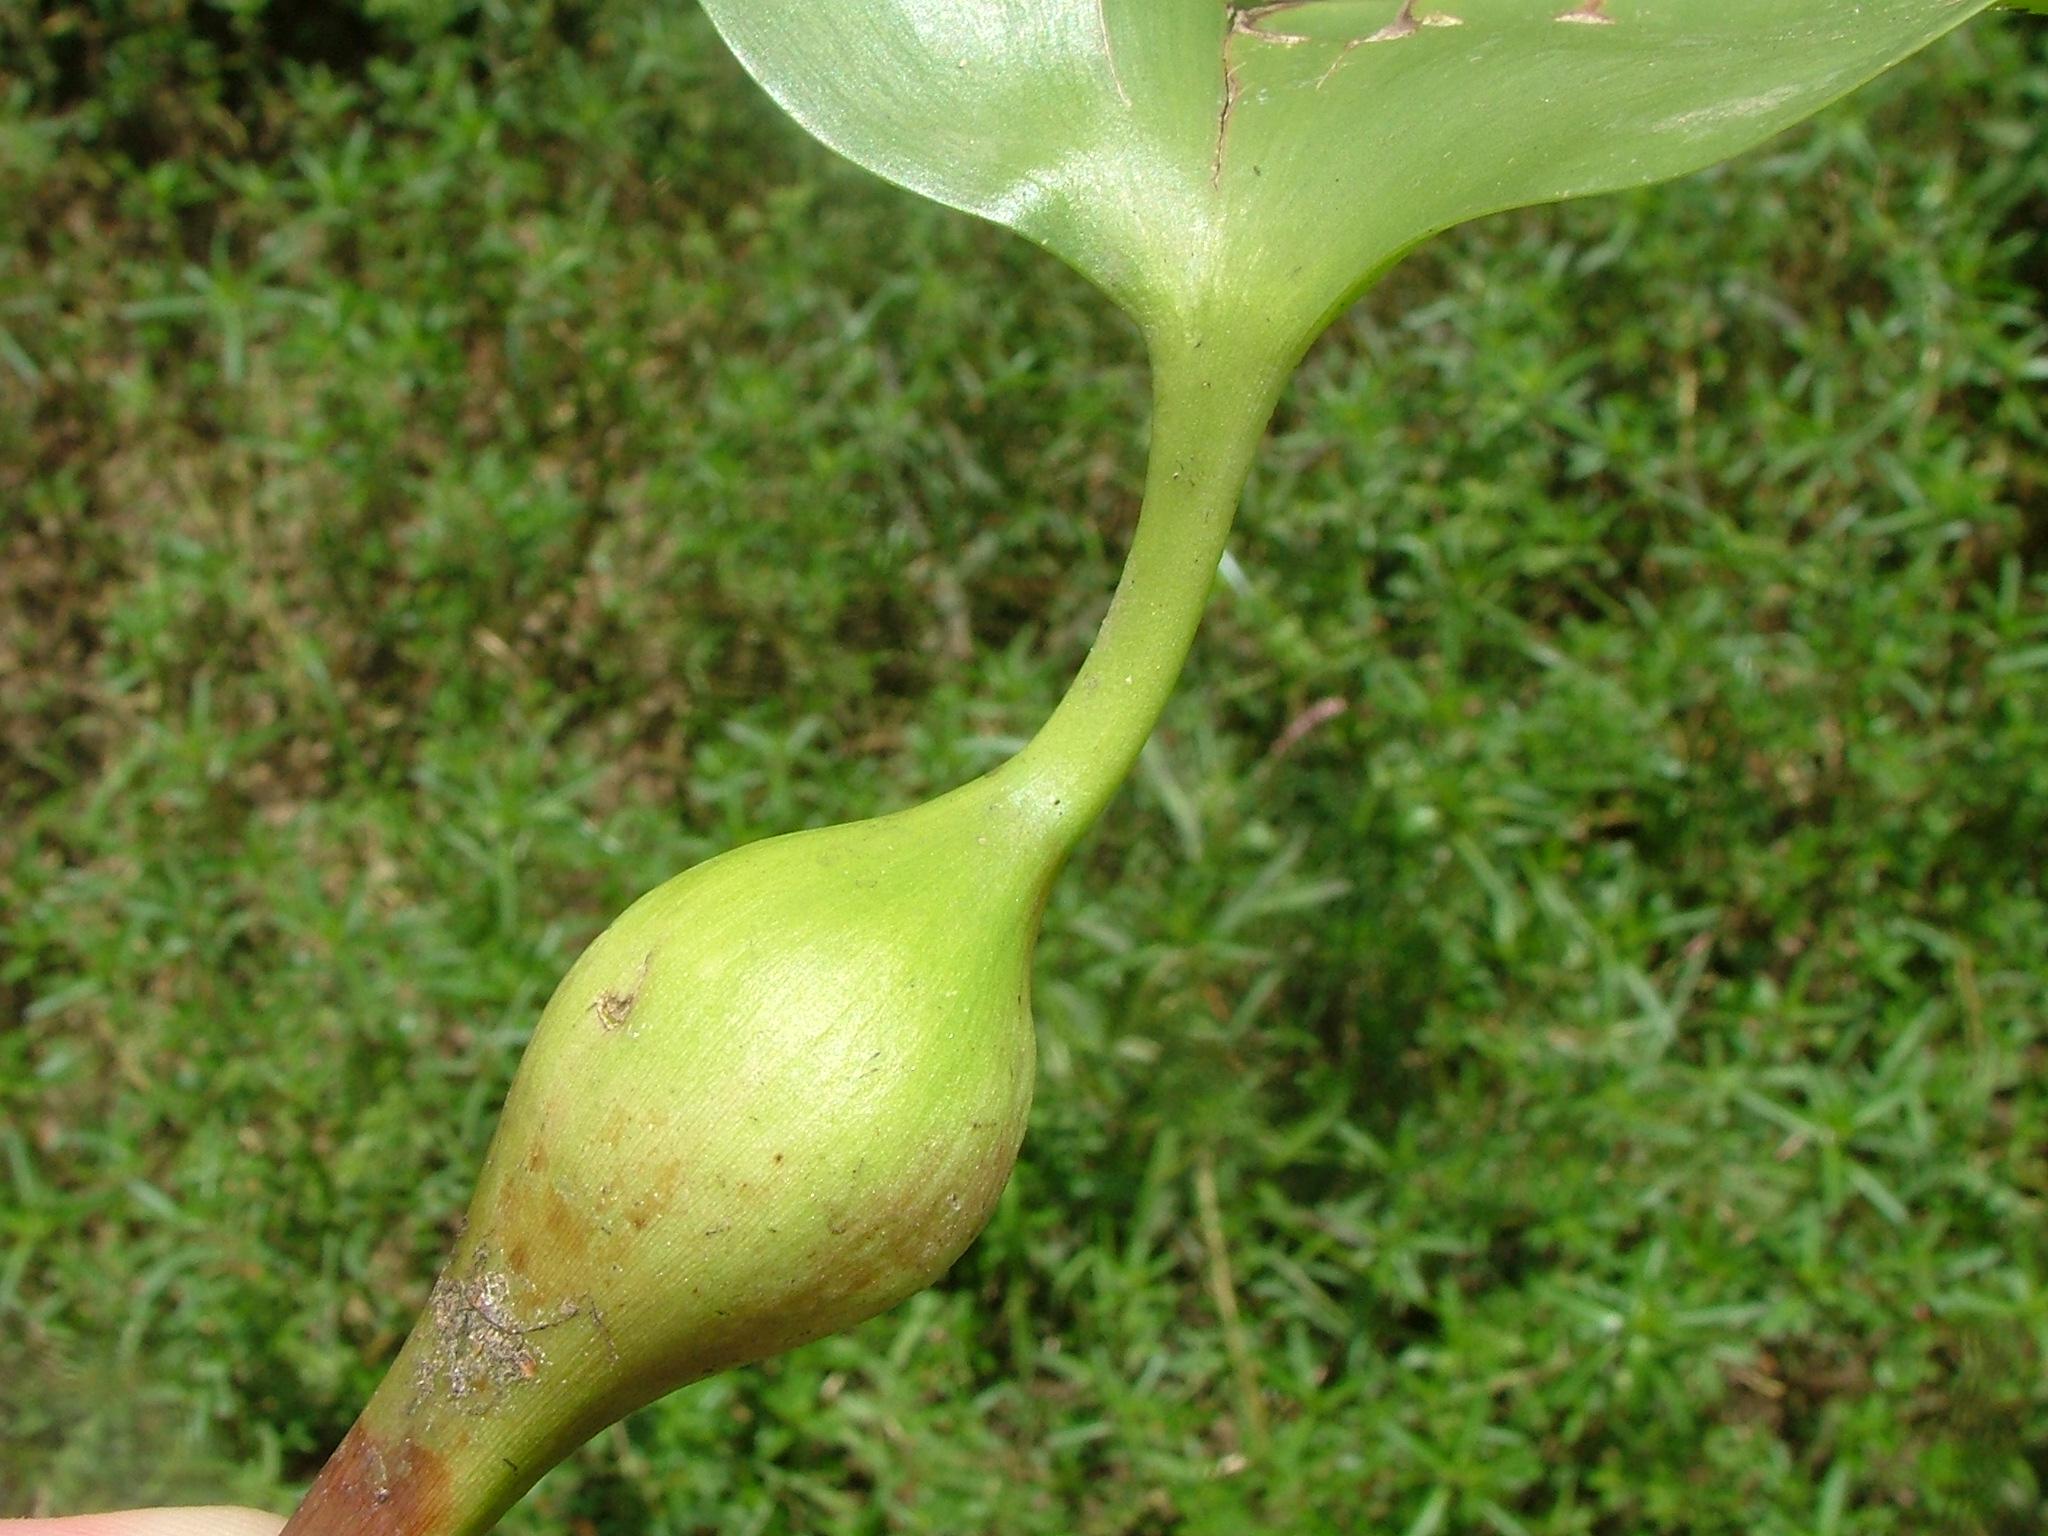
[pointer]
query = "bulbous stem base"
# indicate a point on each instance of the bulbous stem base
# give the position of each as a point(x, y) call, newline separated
point(892, 956)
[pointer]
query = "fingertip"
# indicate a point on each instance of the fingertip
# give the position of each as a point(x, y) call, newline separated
point(153, 1522)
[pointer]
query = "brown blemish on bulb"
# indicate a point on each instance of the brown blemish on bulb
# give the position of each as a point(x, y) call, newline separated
point(373, 1488)
point(904, 1243)
point(1592, 13)
point(614, 1005)
point(564, 1223)
point(480, 1337)
point(657, 1193)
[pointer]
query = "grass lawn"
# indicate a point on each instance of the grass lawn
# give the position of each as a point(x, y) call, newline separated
point(463, 461)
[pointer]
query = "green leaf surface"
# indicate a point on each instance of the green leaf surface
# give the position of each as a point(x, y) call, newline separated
point(1199, 160)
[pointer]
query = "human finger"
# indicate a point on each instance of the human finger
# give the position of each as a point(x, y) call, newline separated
point(152, 1522)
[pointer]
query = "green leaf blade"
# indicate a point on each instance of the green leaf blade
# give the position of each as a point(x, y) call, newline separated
point(1375, 135)
point(1022, 111)
point(1252, 167)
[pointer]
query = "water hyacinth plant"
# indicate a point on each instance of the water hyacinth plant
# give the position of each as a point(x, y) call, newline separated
point(783, 1091)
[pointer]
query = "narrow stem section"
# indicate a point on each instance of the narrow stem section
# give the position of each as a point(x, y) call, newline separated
point(1211, 404)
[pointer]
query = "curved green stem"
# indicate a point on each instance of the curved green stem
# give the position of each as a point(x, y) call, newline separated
point(1211, 404)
